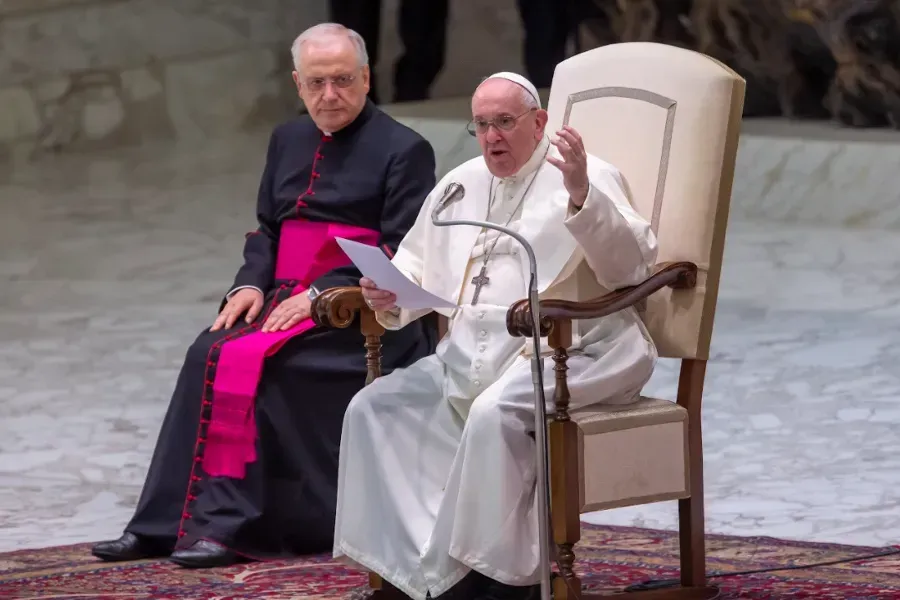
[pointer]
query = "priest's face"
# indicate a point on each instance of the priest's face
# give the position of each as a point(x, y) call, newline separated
point(331, 82)
point(507, 127)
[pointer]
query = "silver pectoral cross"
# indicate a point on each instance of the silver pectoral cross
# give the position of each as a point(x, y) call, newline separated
point(480, 281)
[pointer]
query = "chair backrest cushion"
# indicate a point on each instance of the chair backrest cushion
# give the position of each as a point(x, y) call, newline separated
point(669, 119)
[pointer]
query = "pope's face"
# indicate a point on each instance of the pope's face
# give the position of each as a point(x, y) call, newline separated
point(508, 130)
point(331, 81)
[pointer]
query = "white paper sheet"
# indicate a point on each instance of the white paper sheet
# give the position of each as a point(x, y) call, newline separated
point(374, 264)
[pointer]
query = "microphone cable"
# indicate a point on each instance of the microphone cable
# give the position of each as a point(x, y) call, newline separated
point(656, 584)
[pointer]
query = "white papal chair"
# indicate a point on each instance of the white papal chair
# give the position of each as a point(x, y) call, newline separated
point(670, 120)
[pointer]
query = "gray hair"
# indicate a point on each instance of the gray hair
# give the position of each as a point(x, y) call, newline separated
point(326, 29)
point(528, 100)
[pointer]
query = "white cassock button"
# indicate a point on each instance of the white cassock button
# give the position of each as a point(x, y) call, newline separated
point(482, 348)
point(481, 315)
point(483, 333)
point(477, 383)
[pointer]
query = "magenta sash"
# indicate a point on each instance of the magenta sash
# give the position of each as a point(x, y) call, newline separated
point(306, 251)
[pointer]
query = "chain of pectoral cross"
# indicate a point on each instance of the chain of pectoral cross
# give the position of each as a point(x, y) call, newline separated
point(481, 280)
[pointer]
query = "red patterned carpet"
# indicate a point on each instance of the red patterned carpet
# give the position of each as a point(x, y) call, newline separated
point(611, 558)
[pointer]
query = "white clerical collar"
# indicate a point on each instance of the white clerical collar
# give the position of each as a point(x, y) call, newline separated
point(534, 163)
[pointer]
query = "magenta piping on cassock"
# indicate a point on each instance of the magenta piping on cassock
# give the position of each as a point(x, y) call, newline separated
point(226, 433)
point(307, 250)
point(313, 175)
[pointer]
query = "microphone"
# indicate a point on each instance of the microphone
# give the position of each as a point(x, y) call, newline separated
point(452, 193)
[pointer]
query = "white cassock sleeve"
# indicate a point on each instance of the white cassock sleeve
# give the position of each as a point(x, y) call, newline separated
point(410, 260)
point(618, 244)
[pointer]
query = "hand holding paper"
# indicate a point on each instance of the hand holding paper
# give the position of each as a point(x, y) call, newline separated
point(377, 298)
point(372, 263)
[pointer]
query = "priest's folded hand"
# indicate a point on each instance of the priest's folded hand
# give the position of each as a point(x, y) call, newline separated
point(288, 313)
point(375, 297)
point(247, 300)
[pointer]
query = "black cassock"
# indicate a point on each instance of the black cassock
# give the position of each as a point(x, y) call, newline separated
point(374, 174)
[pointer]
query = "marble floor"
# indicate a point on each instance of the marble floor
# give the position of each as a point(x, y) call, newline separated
point(111, 265)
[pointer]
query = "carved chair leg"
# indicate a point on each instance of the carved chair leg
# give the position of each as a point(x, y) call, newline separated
point(564, 499)
point(565, 509)
point(382, 590)
point(338, 308)
point(375, 581)
point(373, 331)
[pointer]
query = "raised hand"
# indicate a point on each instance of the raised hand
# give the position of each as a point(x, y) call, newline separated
point(573, 164)
point(247, 300)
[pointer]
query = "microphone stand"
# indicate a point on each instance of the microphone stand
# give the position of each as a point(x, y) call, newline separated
point(537, 378)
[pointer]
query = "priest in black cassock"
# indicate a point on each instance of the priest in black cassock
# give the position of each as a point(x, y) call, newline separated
point(246, 462)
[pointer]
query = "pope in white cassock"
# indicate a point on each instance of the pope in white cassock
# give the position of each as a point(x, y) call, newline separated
point(437, 463)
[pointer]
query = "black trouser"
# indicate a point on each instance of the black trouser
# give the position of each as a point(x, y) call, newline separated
point(422, 25)
point(547, 25)
point(423, 32)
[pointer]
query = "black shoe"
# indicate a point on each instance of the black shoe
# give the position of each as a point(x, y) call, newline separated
point(466, 588)
point(127, 547)
point(488, 589)
point(204, 554)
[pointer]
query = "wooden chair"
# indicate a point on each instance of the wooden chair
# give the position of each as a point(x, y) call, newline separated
point(670, 120)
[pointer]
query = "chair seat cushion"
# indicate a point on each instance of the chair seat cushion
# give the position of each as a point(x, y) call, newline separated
point(631, 454)
point(646, 411)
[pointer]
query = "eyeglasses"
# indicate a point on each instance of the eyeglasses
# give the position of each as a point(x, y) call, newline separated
point(317, 84)
point(503, 123)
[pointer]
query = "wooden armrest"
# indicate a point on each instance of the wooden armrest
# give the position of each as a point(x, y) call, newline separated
point(677, 275)
point(337, 307)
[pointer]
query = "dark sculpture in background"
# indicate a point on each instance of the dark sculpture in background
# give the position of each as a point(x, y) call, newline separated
point(804, 59)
